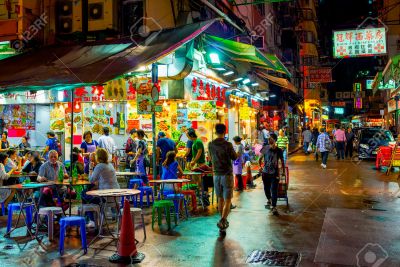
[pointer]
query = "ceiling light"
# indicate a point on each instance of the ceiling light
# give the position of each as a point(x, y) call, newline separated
point(94, 106)
point(255, 84)
point(219, 68)
point(237, 79)
point(228, 73)
point(273, 95)
point(214, 58)
point(141, 69)
point(165, 104)
point(246, 81)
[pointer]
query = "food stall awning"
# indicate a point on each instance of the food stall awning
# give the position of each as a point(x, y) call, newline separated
point(282, 82)
point(91, 64)
point(237, 51)
point(279, 67)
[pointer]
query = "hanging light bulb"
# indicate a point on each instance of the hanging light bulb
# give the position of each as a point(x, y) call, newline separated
point(96, 92)
point(65, 105)
point(165, 104)
point(76, 106)
point(181, 105)
point(128, 105)
point(93, 105)
point(110, 105)
point(224, 106)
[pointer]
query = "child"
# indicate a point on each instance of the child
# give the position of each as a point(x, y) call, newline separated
point(170, 170)
point(238, 163)
point(247, 165)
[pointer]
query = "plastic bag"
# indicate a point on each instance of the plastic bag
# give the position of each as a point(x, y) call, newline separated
point(309, 149)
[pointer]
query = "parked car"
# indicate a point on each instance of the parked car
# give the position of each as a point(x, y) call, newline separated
point(370, 139)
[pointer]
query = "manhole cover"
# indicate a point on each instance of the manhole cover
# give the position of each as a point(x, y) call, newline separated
point(273, 258)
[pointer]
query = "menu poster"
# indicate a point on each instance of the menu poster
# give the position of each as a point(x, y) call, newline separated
point(133, 124)
point(57, 119)
point(182, 119)
point(202, 110)
point(116, 89)
point(19, 116)
point(96, 118)
point(145, 102)
point(146, 125)
point(244, 113)
point(163, 126)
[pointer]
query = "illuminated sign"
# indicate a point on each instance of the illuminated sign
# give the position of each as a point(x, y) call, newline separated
point(339, 110)
point(359, 43)
point(368, 84)
point(338, 104)
point(389, 85)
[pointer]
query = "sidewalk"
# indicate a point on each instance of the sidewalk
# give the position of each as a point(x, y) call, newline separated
point(293, 148)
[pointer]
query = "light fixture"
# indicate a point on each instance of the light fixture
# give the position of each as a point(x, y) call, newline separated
point(128, 105)
point(165, 104)
point(76, 106)
point(180, 105)
point(246, 81)
point(214, 58)
point(224, 106)
point(238, 79)
point(93, 105)
point(60, 95)
point(255, 84)
point(96, 92)
point(141, 69)
point(110, 105)
point(273, 95)
point(219, 68)
point(228, 73)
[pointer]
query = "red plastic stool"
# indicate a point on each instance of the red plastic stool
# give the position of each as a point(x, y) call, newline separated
point(192, 195)
point(244, 181)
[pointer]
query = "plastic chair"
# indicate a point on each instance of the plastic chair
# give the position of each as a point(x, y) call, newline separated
point(133, 182)
point(83, 209)
point(73, 221)
point(192, 195)
point(136, 211)
point(148, 190)
point(160, 206)
point(49, 212)
point(177, 199)
point(16, 207)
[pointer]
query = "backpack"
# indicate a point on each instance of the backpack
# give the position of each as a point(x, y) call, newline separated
point(327, 143)
point(271, 163)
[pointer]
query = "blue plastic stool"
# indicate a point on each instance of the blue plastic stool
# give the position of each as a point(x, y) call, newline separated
point(16, 207)
point(73, 221)
point(177, 198)
point(148, 190)
point(133, 182)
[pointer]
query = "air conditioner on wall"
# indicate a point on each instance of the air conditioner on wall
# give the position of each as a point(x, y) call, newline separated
point(102, 15)
point(69, 16)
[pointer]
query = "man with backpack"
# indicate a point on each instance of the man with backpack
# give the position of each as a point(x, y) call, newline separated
point(324, 145)
point(271, 154)
point(52, 143)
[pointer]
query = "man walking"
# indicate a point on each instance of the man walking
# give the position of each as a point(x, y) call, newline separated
point(307, 135)
point(324, 145)
point(105, 141)
point(222, 154)
point(340, 138)
point(349, 143)
point(271, 155)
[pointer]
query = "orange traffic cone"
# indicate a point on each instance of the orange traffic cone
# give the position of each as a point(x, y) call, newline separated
point(127, 252)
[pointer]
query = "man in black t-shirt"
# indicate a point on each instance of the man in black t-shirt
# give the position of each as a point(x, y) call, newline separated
point(271, 154)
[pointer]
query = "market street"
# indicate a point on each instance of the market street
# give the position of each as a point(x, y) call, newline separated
point(342, 187)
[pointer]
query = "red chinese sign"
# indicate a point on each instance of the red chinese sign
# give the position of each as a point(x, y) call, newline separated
point(320, 75)
point(203, 90)
point(360, 42)
point(338, 104)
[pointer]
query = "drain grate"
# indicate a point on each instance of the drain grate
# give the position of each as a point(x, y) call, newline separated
point(273, 258)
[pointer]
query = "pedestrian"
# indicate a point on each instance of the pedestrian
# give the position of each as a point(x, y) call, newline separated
point(5, 145)
point(271, 155)
point(238, 163)
point(107, 142)
point(349, 143)
point(306, 139)
point(315, 134)
point(164, 145)
point(130, 150)
point(88, 146)
point(283, 143)
point(222, 154)
point(324, 146)
point(264, 134)
point(141, 156)
point(247, 165)
point(340, 139)
point(52, 143)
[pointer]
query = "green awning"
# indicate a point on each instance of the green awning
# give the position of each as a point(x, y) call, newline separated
point(239, 51)
point(279, 67)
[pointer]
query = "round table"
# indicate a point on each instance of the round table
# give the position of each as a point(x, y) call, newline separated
point(167, 181)
point(200, 182)
point(106, 193)
point(127, 175)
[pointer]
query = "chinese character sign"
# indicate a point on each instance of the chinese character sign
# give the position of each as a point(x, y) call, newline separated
point(359, 43)
point(320, 75)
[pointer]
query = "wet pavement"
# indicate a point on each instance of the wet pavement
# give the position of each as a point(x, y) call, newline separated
point(346, 212)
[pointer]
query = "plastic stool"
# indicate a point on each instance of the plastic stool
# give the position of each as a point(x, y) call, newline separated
point(194, 187)
point(148, 190)
point(137, 211)
point(133, 182)
point(16, 207)
point(49, 212)
point(177, 198)
point(159, 206)
point(90, 208)
point(73, 221)
point(192, 195)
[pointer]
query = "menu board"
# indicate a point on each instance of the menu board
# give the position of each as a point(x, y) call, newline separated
point(145, 102)
point(199, 110)
point(18, 116)
point(244, 113)
point(96, 118)
point(182, 119)
point(57, 119)
point(115, 89)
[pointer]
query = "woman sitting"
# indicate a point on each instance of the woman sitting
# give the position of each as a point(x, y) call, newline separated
point(170, 170)
point(33, 167)
point(24, 145)
point(5, 194)
point(14, 162)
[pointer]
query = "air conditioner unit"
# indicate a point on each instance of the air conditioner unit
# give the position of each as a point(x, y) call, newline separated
point(102, 15)
point(69, 16)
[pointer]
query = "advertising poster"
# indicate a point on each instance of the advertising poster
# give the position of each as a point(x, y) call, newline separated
point(18, 116)
point(144, 100)
point(202, 110)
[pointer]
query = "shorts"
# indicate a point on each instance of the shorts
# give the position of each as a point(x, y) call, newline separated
point(223, 185)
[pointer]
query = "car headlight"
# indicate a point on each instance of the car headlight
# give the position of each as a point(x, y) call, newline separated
point(364, 146)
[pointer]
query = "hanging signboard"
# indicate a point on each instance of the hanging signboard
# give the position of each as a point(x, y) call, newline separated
point(202, 110)
point(144, 98)
point(320, 75)
point(115, 89)
point(359, 42)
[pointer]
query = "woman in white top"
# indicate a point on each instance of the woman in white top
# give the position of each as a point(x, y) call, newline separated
point(5, 194)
